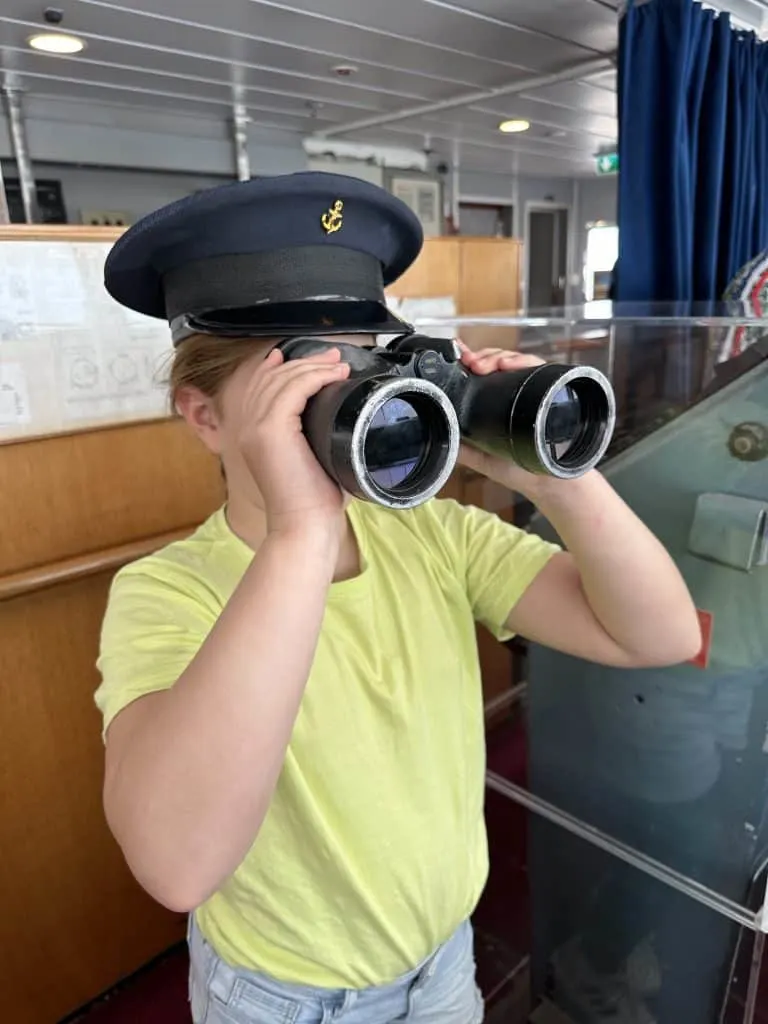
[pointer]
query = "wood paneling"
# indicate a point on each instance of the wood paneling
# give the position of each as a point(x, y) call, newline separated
point(58, 233)
point(482, 274)
point(436, 272)
point(75, 508)
point(69, 494)
point(73, 920)
point(490, 274)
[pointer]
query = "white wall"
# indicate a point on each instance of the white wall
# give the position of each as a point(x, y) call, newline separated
point(135, 193)
point(599, 198)
point(110, 135)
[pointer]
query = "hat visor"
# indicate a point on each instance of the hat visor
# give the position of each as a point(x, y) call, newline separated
point(292, 319)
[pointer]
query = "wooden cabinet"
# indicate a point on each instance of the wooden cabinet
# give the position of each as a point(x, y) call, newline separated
point(482, 274)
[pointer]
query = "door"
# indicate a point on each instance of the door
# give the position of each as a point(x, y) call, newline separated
point(547, 259)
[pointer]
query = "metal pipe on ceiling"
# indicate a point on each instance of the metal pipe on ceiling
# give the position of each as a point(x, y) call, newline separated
point(12, 96)
point(574, 71)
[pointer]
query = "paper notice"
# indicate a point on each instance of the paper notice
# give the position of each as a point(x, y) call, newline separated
point(60, 296)
point(14, 395)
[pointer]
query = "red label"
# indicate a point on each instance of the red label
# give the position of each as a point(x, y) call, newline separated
point(706, 621)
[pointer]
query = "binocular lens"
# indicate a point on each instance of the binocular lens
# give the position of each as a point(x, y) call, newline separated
point(405, 440)
point(578, 424)
point(395, 444)
point(564, 423)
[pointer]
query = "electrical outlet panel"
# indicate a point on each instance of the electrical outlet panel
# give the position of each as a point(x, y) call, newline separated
point(106, 218)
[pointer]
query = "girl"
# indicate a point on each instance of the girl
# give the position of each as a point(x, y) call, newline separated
point(291, 697)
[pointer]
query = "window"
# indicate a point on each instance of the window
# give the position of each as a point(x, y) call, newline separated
point(602, 253)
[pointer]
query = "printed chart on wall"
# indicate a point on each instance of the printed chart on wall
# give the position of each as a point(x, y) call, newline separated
point(70, 355)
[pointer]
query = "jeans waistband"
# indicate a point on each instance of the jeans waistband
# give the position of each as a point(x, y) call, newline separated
point(206, 962)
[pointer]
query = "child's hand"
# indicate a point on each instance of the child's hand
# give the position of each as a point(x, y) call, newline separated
point(502, 471)
point(489, 360)
point(295, 488)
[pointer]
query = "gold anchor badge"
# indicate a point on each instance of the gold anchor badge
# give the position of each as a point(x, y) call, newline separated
point(333, 219)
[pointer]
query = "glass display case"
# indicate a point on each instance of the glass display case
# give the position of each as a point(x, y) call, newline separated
point(648, 789)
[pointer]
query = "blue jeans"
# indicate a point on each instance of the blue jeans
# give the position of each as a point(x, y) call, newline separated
point(442, 990)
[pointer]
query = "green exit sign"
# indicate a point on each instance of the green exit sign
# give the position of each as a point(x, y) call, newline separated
point(607, 163)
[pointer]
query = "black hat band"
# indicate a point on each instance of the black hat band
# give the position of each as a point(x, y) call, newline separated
point(309, 273)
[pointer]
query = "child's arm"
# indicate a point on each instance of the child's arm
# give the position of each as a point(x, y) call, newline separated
point(190, 770)
point(616, 597)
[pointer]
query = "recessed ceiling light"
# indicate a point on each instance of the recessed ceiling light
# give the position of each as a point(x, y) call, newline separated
point(56, 42)
point(511, 127)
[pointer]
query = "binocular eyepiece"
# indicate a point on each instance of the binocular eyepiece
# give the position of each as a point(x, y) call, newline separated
point(390, 432)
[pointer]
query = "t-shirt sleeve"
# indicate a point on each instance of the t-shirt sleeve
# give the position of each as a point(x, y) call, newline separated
point(153, 627)
point(499, 561)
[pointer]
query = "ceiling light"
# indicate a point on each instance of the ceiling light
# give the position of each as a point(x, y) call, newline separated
point(56, 42)
point(512, 127)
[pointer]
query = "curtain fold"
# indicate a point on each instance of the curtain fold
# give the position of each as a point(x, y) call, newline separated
point(693, 151)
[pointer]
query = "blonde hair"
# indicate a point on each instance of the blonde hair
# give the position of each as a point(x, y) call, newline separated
point(206, 363)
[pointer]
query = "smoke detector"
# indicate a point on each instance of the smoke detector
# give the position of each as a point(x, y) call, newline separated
point(344, 70)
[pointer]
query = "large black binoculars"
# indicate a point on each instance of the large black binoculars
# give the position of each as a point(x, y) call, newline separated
point(390, 432)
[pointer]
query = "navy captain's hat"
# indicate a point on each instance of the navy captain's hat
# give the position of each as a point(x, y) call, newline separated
point(305, 253)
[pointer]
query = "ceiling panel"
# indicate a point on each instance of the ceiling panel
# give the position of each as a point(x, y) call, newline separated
point(240, 20)
point(473, 157)
point(542, 116)
point(143, 113)
point(469, 124)
point(147, 76)
point(169, 56)
point(263, 108)
point(585, 22)
point(445, 25)
point(582, 96)
point(310, 75)
point(499, 146)
point(165, 49)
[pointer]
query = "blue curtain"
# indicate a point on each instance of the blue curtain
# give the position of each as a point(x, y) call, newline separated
point(693, 152)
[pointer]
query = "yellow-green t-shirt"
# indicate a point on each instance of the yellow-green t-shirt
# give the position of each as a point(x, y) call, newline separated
point(373, 850)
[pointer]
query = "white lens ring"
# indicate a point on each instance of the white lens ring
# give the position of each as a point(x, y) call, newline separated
point(552, 467)
point(401, 387)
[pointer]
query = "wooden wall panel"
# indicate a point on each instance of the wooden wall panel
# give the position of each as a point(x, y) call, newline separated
point(74, 508)
point(68, 494)
point(482, 274)
point(73, 920)
point(490, 275)
point(436, 272)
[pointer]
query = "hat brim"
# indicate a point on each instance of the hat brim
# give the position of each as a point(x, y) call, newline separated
point(292, 319)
